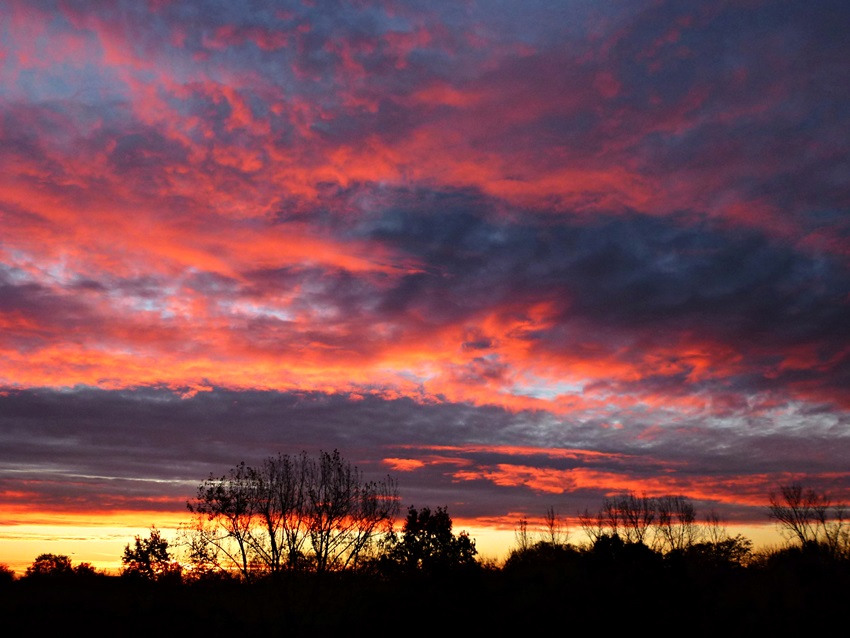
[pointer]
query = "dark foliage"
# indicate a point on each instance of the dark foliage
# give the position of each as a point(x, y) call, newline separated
point(7, 575)
point(428, 545)
point(614, 584)
point(150, 559)
point(617, 583)
point(58, 567)
point(50, 566)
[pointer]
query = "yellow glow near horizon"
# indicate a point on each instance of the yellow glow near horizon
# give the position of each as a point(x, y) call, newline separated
point(100, 541)
point(97, 540)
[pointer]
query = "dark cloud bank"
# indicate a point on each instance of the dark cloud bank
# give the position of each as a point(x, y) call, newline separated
point(95, 448)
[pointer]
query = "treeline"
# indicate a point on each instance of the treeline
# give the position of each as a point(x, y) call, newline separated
point(303, 543)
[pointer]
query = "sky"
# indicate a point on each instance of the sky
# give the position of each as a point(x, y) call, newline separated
point(516, 255)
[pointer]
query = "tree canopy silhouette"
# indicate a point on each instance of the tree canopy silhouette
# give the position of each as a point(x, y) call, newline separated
point(50, 565)
point(57, 566)
point(150, 559)
point(427, 543)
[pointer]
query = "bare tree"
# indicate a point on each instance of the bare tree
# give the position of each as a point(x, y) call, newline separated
point(554, 532)
point(810, 517)
point(636, 514)
point(344, 512)
point(280, 492)
point(798, 511)
point(836, 531)
point(224, 517)
point(523, 539)
point(664, 523)
point(592, 525)
point(714, 529)
point(676, 526)
point(611, 516)
point(288, 513)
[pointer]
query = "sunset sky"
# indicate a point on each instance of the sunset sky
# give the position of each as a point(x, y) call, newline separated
point(515, 254)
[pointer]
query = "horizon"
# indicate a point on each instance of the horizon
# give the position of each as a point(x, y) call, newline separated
point(516, 255)
point(102, 546)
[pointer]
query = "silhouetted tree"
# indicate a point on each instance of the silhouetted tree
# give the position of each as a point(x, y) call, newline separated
point(555, 533)
point(344, 512)
point(811, 518)
point(427, 543)
point(57, 566)
point(85, 570)
point(203, 558)
point(224, 509)
point(798, 512)
point(732, 551)
point(290, 513)
point(666, 523)
point(714, 529)
point(541, 552)
point(50, 565)
point(627, 516)
point(150, 559)
point(676, 526)
point(523, 538)
point(592, 524)
point(638, 514)
point(612, 549)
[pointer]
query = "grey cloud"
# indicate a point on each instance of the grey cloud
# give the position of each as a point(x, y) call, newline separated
point(627, 271)
point(107, 440)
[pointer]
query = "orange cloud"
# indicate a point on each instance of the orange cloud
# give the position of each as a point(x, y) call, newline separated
point(404, 465)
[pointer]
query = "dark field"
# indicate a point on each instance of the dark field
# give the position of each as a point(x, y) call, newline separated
point(563, 590)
